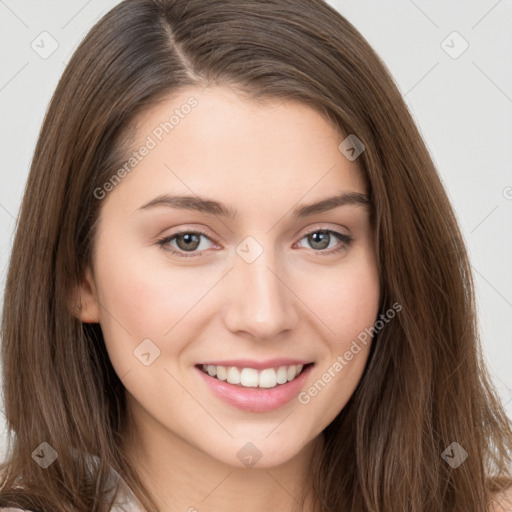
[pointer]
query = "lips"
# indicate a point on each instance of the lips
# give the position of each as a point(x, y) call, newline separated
point(255, 399)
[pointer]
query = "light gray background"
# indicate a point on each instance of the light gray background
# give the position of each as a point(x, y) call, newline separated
point(463, 107)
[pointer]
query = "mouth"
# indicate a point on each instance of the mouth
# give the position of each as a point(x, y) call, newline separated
point(254, 390)
point(247, 377)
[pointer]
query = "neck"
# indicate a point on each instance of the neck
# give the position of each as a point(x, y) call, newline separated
point(182, 477)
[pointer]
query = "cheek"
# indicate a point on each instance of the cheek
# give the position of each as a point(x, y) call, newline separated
point(143, 298)
point(147, 295)
point(345, 300)
point(348, 303)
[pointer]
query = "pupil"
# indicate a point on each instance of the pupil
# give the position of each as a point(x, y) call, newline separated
point(319, 235)
point(188, 238)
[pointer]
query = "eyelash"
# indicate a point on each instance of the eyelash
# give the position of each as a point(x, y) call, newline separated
point(346, 241)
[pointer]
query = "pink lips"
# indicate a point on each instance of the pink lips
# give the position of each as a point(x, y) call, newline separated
point(256, 399)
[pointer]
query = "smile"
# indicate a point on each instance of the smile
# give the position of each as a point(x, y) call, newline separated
point(248, 391)
point(252, 378)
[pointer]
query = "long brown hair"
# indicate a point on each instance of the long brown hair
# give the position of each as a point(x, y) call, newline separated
point(425, 385)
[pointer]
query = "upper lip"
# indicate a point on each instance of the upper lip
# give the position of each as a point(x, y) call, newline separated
point(257, 365)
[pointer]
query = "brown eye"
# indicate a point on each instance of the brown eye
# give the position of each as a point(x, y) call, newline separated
point(320, 240)
point(186, 242)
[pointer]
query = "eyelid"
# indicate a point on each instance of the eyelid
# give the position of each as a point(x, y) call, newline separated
point(322, 227)
point(345, 240)
point(167, 238)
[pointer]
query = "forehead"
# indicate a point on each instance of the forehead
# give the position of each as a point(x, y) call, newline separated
point(217, 143)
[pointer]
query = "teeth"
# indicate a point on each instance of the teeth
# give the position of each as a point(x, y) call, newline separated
point(233, 375)
point(252, 378)
point(249, 377)
point(291, 372)
point(282, 375)
point(267, 378)
point(222, 373)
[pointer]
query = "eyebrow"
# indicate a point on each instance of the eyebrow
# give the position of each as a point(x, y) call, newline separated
point(209, 206)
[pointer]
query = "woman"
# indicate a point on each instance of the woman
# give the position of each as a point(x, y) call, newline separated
point(238, 283)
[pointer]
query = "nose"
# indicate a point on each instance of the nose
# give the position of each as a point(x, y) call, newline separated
point(261, 301)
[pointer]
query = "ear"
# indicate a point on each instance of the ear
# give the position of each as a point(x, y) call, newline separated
point(85, 304)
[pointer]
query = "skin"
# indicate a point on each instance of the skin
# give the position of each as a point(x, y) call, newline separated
point(262, 158)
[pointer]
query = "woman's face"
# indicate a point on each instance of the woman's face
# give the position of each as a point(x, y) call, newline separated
point(252, 282)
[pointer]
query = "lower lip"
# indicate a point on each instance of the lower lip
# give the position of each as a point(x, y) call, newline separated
point(256, 399)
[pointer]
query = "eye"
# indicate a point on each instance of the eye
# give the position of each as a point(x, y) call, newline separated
point(190, 242)
point(320, 239)
point(187, 241)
